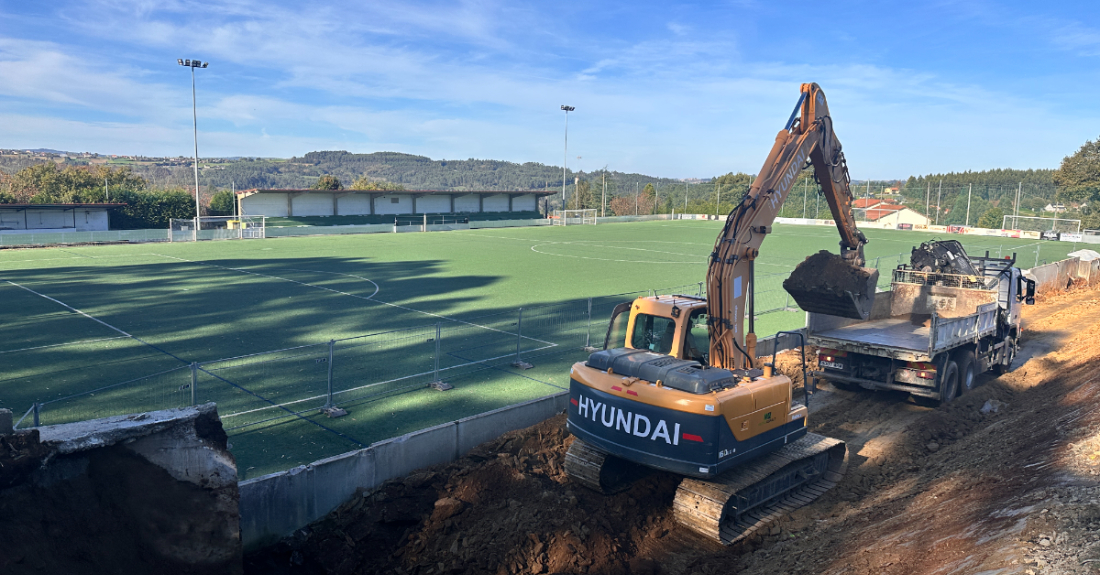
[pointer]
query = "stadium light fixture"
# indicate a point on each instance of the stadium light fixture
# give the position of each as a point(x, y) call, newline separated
point(565, 163)
point(188, 63)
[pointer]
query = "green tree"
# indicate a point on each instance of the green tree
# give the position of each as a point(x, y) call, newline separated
point(46, 183)
point(151, 210)
point(327, 183)
point(582, 197)
point(993, 218)
point(366, 183)
point(1079, 175)
point(222, 203)
point(649, 193)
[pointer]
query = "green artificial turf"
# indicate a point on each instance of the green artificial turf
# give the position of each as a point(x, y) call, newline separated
point(143, 313)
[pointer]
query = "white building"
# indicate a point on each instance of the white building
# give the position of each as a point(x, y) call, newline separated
point(290, 203)
point(24, 218)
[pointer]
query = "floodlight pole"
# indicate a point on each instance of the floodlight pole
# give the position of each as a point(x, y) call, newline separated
point(192, 64)
point(565, 158)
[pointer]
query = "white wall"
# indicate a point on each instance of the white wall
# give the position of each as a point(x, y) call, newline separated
point(524, 203)
point(467, 203)
point(85, 219)
point(354, 205)
point(496, 203)
point(91, 220)
point(433, 204)
point(313, 204)
point(49, 219)
point(271, 205)
point(384, 204)
point(11, 220)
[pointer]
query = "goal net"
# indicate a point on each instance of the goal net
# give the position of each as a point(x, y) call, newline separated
point(1039, 224)
point(574, 217)
point(217, 228)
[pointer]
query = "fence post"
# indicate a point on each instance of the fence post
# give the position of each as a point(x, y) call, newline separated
point(37, 408)
point(588, 328)
point(437, 334)
point(787, 304)
point(194, 379)
point(331, 346)
point(700, 293)
point(519, 363)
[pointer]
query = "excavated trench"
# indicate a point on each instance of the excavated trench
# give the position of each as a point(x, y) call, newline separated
point(1005, 479)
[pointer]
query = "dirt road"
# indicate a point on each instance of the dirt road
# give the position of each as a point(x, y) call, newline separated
point(1005, 479)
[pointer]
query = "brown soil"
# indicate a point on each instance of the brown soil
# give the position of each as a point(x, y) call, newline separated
point(1005, 479)
point(826, 272)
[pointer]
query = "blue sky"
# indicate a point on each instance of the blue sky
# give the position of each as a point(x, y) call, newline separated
point(663, 88)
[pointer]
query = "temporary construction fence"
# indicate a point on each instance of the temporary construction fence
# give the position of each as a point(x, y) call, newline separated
point(275, 385)
point(10, 239)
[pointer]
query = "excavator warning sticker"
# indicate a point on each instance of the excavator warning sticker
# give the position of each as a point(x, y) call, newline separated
point(737, 286)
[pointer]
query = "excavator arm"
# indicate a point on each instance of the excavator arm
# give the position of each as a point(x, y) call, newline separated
point(807, 137)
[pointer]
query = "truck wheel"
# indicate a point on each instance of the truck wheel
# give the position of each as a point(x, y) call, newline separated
point(949, 385)
point(968, 371)
point(1007, 355)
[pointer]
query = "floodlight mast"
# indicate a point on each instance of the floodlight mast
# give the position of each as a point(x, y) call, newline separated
point(565, 163)
point(192, 64)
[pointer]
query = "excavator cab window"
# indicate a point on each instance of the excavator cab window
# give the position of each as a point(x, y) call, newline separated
point(697, 339)
point(653, 333)
point(616, 330)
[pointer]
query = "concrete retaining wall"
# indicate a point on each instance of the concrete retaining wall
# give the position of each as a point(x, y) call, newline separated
point(1054, 276)
point(274, 506)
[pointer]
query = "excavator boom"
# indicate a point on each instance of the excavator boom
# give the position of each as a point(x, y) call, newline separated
point(847, 289)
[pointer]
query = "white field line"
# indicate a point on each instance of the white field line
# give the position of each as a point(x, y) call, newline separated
point(369, 385)
point(366, 298)
point(591, 243)
point(63, 344)
point(63, 304)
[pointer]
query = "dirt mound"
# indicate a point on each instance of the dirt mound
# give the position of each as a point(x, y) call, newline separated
point(1005, 479)
point(507, 507)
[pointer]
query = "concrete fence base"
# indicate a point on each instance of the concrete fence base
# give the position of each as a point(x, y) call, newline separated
point(274, 506)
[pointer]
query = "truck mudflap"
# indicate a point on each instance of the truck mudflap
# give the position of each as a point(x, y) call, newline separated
point(685, 443)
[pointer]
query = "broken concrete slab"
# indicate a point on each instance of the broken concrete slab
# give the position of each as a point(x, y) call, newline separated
point(146, 493)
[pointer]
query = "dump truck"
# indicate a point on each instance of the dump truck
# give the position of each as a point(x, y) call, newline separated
point(946, 319)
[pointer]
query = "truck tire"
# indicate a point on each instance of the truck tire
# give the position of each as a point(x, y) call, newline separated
point(949, 385)
point(968, 370)
point(1007, 356)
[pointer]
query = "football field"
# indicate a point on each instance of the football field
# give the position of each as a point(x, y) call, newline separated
point(130, 320)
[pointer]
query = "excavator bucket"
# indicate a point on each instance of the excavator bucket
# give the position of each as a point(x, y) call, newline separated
point(827, 283)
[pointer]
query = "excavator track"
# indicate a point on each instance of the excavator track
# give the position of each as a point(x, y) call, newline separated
point(741, 502)
point(599, 471)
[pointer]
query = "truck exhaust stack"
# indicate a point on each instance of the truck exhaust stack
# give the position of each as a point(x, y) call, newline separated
point(827, 283)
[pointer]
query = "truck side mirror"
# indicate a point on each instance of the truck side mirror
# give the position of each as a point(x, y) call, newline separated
point(1025, 290)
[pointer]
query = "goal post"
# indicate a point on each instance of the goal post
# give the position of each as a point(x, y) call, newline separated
point(217, 228)
point(1041, 224)
point(574, 217)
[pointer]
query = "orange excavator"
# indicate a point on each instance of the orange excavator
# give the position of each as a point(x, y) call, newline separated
point(677, 385)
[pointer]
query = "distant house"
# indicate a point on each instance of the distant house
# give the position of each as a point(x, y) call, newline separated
point(866, 203)
point(894, 215)
point(1055, 208)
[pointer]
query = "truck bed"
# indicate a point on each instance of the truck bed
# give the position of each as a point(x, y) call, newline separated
point(897, 332)
point(899, 338)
